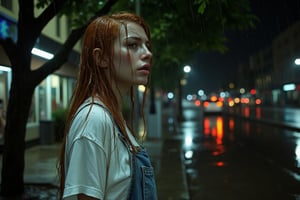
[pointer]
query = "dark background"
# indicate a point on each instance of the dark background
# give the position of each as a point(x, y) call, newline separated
point(213, 69)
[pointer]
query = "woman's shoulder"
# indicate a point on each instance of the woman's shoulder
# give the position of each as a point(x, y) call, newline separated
point(92, 122)
point(94, 113)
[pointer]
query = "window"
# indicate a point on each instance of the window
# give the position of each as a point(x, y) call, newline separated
point(6, 4)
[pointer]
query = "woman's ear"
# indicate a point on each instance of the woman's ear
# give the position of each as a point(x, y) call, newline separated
point(100, 60)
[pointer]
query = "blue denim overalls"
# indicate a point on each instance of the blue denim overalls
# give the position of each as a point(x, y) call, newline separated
point(143, 185)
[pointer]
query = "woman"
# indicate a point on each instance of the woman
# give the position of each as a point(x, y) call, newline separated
point(101, 158)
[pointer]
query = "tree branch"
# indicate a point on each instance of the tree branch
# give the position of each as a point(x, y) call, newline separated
point(26, 10)
point(51, 11)
point(62, 55)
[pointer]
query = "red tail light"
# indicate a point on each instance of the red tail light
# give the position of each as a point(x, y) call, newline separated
point(197, 103)
point(205, 104)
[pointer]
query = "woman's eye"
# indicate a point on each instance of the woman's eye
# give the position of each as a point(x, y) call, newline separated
point(132, 45)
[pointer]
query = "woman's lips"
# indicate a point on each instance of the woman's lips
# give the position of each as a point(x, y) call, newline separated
point(145, 69)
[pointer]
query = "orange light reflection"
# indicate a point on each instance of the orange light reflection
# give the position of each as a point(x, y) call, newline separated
point(206, 126)
point(214, 127)
point(214, 131)
point(219, 164)
point(247, 111)
point(247, 128)
point(258, 112)
point(231, 129)
point(231, 124)
point(220, 132)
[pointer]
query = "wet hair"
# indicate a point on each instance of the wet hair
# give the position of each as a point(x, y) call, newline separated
point(97, 73)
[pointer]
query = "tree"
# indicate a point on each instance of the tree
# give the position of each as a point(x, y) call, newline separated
point(174, 38)
point(183, 27)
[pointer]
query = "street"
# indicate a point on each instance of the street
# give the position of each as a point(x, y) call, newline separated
point(229, 157)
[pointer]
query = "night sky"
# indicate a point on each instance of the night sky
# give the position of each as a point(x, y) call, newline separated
point(214, 69)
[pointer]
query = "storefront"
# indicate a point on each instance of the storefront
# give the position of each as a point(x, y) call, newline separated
point(51, 95)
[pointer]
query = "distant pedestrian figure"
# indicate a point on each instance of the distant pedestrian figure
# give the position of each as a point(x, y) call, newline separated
point(101, 157)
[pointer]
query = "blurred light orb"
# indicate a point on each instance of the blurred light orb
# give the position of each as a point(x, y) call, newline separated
point(200, 92)
point(183, 82)
point(187, 69)
point(189, 97)
point(242, 90)
point(141, 88)
point(222, 94)
point(189, 154)
point(170, 95)
point(231, 85)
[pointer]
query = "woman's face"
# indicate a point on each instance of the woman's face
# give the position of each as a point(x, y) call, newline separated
point(132, 56)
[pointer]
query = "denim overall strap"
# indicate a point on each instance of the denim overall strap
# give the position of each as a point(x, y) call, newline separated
point(143, 185)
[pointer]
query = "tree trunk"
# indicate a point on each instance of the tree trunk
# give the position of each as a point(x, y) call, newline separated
point(152, 109)
point(12, 183)
point(180, 117)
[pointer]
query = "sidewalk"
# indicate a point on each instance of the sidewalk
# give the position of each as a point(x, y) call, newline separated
point(167, 158)
point(41, 181)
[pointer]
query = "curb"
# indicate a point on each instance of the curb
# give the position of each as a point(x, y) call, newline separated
point(264, 121)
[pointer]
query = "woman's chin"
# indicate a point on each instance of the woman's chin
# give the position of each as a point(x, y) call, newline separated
point(142, 82)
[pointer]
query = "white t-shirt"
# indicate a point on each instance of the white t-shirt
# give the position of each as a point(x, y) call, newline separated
point(97, 163)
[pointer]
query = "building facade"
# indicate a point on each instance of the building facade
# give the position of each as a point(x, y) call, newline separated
point(273, 71)
point(286, 74)
point(53, 93)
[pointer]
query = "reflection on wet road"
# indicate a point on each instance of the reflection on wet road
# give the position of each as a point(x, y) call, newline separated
point(232, 158)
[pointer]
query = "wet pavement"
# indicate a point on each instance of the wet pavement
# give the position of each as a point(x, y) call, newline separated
point(40, 175)
point(231, 171)
point(222, 160)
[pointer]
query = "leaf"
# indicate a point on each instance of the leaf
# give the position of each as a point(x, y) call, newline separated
point(202, 7)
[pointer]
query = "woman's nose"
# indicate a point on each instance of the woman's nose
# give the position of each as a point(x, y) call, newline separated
point(146, 52)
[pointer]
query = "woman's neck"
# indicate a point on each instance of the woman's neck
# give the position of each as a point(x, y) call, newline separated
point(120, 93)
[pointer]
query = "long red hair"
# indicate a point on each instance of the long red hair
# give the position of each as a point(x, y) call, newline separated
point(93, 81)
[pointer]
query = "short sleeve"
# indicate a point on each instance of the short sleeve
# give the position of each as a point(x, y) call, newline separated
point(88, 149)
point(87, 169)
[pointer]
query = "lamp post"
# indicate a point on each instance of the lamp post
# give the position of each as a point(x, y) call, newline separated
point(182, 81)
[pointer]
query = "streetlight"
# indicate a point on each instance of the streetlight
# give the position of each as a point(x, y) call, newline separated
point(297, 61)
point(294, 73)
point(187, 69)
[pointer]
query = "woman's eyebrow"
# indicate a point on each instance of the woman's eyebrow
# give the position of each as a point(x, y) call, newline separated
point(136, 38)
point(133, 37)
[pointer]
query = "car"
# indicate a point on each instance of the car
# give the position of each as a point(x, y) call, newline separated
point(212, 106)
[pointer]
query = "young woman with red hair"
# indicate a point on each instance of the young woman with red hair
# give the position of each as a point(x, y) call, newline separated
point(101, 157)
